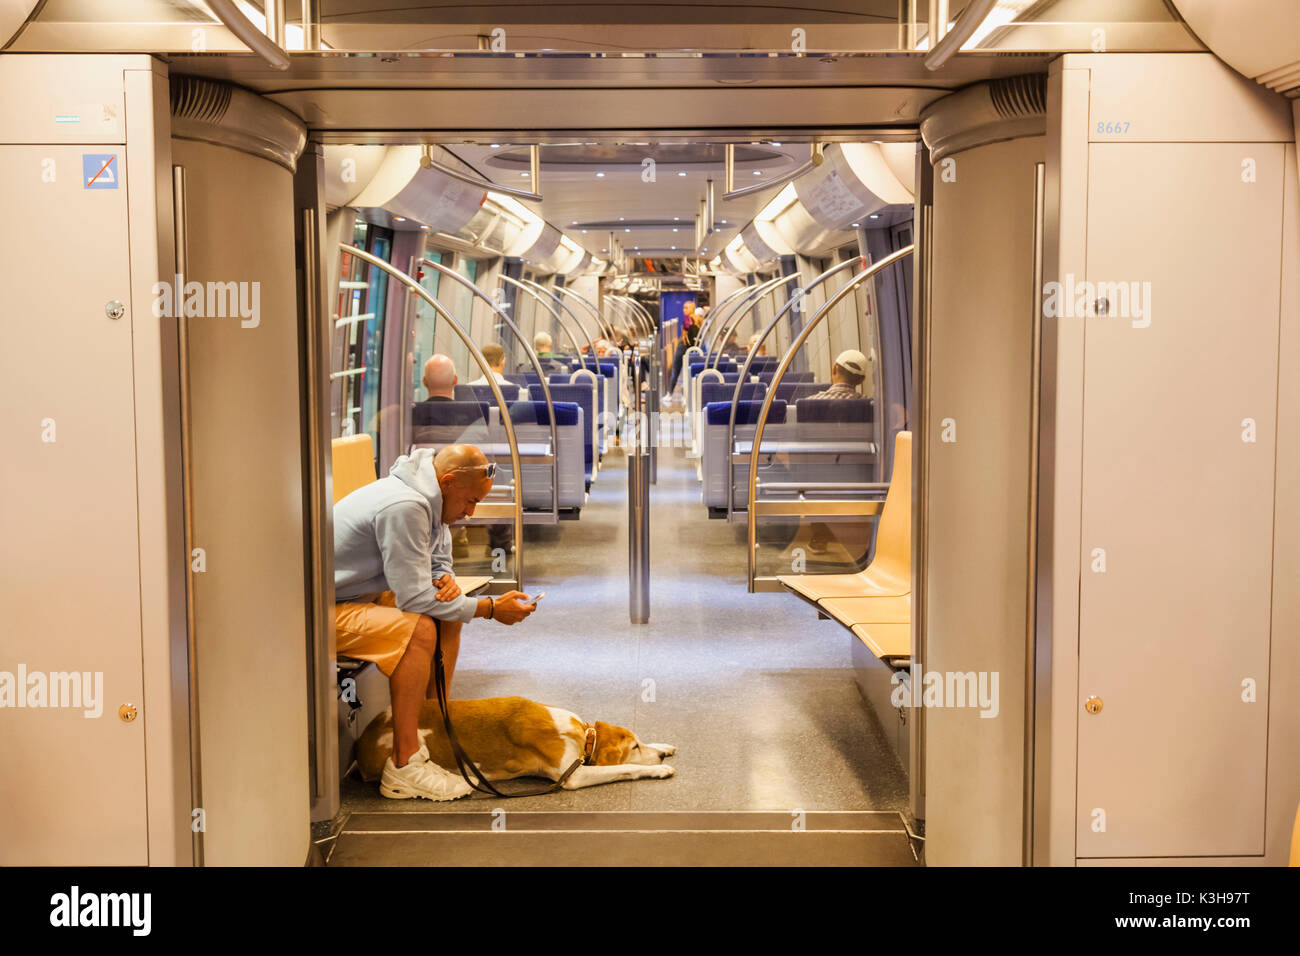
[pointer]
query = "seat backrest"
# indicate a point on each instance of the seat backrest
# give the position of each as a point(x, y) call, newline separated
point(723, 391)
point(449, 413)
point(719, 413)
point(893, 559)
point(832, 409)
point(353, 458)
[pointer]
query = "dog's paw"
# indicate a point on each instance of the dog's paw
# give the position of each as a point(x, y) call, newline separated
point(661, 772)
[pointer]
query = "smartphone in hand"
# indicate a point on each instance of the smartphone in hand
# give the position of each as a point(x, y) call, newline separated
point(538, 598)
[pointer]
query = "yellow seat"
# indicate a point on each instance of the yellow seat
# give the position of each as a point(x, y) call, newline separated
point(1295, 840)
point(354, 464)
point(886, 640)
point(869, 610)
point(890, 571)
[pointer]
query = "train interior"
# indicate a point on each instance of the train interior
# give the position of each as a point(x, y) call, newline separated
point(721, 673)
point(901, 440)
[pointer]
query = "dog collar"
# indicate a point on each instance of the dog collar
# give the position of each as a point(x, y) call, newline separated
point(589, 745)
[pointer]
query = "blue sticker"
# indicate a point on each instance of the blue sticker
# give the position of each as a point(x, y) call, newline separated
point(99, 170)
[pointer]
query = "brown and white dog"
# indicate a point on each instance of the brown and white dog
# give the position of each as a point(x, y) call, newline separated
point(510, 737)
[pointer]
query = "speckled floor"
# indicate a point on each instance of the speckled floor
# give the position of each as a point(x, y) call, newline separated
point(756, 693)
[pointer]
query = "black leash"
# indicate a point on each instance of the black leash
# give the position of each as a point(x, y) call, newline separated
point(463, 761)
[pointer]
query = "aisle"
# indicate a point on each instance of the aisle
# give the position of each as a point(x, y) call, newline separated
point(757, 694)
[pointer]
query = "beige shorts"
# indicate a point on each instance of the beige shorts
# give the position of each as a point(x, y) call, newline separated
point(374, 630)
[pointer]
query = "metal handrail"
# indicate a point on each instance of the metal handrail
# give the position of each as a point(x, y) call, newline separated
point(544, 304)
point(733, 322)
point(650, 323)
point(428, 162)
point(724, 307)
point(180, 257)
point(601, 325)
point(505, 411)
point(756, 294)
point(753, 351)
point(970, 20)
point(640, 317)
point(807, 166)
point(442, 310)
point(573, 315)
point(243, 28)
point(776, 380)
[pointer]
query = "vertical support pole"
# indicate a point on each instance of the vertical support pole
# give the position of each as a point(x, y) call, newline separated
point(638, 495)
point(311, 24)
point(1031, 588)
point(275, 22)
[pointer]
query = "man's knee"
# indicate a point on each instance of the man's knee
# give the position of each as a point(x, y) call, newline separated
point(425, 635)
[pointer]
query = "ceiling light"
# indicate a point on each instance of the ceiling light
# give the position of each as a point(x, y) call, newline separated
point(875, 215)
point(574, 223)
point(681, 174)
point(674, 230)
point(600, 174)
point(677, 218)
point(627, 230)
point(853, 225)
point(776, 144)
point(524, 175)
point(496, 145)
point(620, 218)
point(758, 172)
point(399, 219)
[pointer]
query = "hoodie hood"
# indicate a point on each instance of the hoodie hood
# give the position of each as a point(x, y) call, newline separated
point(416, 472)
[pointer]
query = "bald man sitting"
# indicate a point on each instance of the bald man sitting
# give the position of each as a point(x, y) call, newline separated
point(440, 379)
point(392, 577)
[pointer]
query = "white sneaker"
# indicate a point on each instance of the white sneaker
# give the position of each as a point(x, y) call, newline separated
point(421, 777)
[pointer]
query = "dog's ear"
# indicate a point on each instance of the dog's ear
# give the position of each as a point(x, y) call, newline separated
point(613, 745)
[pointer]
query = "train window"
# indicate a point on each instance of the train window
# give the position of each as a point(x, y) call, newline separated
point(358, 330)
point(424, 332)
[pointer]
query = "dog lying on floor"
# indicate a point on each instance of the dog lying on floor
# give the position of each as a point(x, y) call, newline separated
point(509, 737)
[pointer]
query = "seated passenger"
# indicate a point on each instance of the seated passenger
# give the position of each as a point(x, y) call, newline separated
point(496, 359)
point(762, 349)
point(550, 360)
point(440, 379)
point(393, 576)
point(849, 371)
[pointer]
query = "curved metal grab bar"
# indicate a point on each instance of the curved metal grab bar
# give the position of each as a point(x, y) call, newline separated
point(737, 315)
point(649, 319)
point(757, 294)
point(808, 165)
point(601, 325)
point(970, 20)
point(250, 35)
point(642, 323)
point(757, 443)
point(544, 304)
point(573, 315)
point(505, 412)
point(442, 310)
point(749, 360)
point(428, 162)
point(720, 308)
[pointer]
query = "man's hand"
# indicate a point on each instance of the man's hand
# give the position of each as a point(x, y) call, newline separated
point(448, 589)
point(510, 609)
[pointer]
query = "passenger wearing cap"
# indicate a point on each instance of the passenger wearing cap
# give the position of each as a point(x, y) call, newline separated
point(849, 372)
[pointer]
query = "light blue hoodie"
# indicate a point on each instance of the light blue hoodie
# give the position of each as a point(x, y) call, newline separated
point(389, 536)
